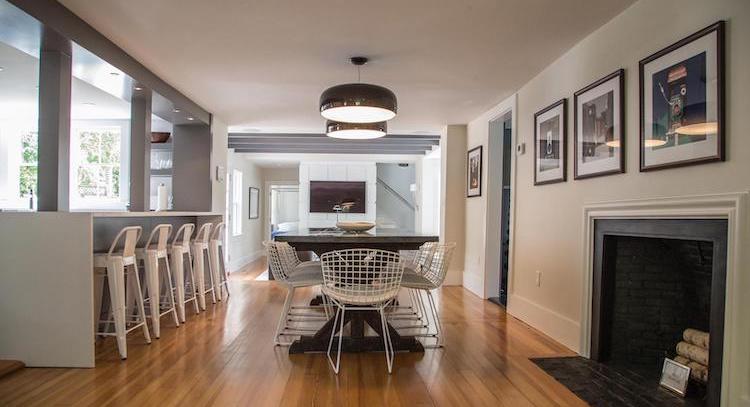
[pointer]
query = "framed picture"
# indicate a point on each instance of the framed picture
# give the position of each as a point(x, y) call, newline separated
point(254, 200)
point(682, 102)
point(550, 143)
point(474, 172)
point(674, 376)
point(598, 121)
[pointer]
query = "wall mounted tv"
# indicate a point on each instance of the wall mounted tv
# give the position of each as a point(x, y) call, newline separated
point(324, 195)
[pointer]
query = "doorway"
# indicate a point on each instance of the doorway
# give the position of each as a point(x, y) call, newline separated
point(500, 131)
point(282, 208)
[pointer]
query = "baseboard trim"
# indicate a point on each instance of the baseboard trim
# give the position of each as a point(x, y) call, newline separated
point(557, 326)
point(236, 265)
point(474, 283)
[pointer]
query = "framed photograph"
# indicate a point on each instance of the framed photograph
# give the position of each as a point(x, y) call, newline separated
point(674, 376)
point(550, 143)
point(598, 121)
point(682, 102)
point(254, 201)
point(474, 172)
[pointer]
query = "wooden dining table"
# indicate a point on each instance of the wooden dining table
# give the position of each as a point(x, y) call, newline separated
point(325, 240)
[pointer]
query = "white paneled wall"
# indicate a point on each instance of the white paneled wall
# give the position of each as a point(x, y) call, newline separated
point(339, 171)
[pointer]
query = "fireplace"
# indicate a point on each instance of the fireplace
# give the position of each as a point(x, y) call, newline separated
point(654, 278)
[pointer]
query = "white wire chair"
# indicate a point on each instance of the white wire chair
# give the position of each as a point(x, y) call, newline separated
point(414, 264)
point(290, 271)
point(361, 279)
point(430, 277)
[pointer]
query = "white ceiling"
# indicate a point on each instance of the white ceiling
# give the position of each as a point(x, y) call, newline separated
point(262, 64)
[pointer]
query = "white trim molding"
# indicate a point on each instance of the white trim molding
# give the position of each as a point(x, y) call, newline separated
point(735, 384)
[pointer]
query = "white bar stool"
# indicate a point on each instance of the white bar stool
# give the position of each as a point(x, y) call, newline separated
point(121, 271)
point(158, 280)
point(201, 256)
point(179, 249)
point(216, 248)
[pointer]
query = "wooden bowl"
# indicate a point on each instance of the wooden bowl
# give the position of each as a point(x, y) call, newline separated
point(159, 137)
point(360, 226)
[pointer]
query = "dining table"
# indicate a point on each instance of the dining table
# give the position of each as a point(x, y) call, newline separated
point(324, 240)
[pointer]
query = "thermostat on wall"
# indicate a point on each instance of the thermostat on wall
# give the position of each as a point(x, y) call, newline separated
point(521, 148)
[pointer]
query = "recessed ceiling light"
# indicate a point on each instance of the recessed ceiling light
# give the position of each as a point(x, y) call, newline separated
point(138, 88)
point(190, 118)
point(89, 103)
point(114, 73)
point(1, 69)
point(176, 110)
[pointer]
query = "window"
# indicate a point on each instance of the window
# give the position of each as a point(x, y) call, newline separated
point(236, 202)
point(98, 164)
point(27, 184)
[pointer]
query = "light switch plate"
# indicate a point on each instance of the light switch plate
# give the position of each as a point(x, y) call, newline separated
point(521, 148)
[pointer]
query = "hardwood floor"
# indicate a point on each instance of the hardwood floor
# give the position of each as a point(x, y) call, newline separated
point(225, 356)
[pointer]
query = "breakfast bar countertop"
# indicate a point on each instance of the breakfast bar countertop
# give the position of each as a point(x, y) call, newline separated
point(150, 214)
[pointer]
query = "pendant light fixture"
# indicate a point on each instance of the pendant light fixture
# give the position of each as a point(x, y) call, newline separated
point(356, 131)
point(358, 102)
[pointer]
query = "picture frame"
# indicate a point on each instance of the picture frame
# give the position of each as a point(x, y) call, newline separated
point(474, 172)
point(675, 376)
point(599, 127)
point(550, 154)
point(682, 102)
point(254, 203)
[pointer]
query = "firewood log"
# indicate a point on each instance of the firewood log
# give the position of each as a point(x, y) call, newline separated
point(696, 337)
point(693, 352)
point(697, 371)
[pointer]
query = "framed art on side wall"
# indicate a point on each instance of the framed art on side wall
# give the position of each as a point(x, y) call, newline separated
point(682, 102)
point(474, 172)
point(598, 120)
point(550, 143)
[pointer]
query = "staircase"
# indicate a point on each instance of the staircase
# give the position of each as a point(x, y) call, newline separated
point(394, 211)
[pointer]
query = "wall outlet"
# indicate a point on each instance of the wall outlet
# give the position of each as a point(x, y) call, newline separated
point(538, 278)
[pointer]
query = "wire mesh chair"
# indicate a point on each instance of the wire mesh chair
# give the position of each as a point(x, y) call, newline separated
point(415, 311)
point(290, 271)
point(431, 277)
point(361, 279)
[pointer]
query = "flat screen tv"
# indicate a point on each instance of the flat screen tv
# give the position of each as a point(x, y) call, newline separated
point(324, 195)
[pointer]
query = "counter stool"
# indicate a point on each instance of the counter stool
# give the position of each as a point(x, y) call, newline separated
point(120, 268)
point(216, 247)
point(201, 256)
point(180, 248)
point(158, 280)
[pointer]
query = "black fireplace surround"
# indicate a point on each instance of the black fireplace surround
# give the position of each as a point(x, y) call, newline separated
point(652, 279)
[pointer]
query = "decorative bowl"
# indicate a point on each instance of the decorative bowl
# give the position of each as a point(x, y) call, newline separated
point(360, 226)
point(159, 137)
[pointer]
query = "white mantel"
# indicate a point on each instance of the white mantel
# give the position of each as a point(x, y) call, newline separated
point(733, 207)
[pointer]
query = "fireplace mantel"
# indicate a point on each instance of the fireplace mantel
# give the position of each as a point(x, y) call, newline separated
point(733, 207)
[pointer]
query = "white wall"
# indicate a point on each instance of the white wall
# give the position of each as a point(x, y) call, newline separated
point(428, 196)
point(452, 196)
point(335, 171)
point(548, 224)
point(248, 246)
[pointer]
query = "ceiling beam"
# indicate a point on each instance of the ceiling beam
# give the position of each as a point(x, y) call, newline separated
point(324, 136)
point(328, 150)
point(334, 142)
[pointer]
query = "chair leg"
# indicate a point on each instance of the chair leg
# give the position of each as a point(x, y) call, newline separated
point(200, 276)
point(116, 280)
point(284, 315)
point(224, 278)
point(213, 251)
point(438, 326)
point(211, 277)
point(151, 264)
point(139, 301)
point(191, 272)
point(179, 281)
point(387, 344)
point(337, 365)
point(330, 341)
point(170, 292)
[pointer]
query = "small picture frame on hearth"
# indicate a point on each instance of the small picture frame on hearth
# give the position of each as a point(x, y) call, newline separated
point(675, 376)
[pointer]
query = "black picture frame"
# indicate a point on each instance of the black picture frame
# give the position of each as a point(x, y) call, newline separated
point(253, 211)
point(719, 29)
point(620, 73)
point(473, 192)
point(563, 140)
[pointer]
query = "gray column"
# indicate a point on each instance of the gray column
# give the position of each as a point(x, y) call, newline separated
point(140, 150)
point(191, 169)
point(54, 123)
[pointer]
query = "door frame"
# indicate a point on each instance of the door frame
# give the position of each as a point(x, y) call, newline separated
point(267, 201)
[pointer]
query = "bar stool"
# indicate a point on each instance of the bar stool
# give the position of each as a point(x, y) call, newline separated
point(201, 256)
point(161, 301)
point(120, 268)
point(216, 248)
point(180, 248)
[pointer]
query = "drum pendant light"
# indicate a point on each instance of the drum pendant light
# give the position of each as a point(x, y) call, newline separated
point(356, 131)
point(358, 102)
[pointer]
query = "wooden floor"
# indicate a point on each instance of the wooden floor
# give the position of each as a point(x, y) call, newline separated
point(225, 356)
